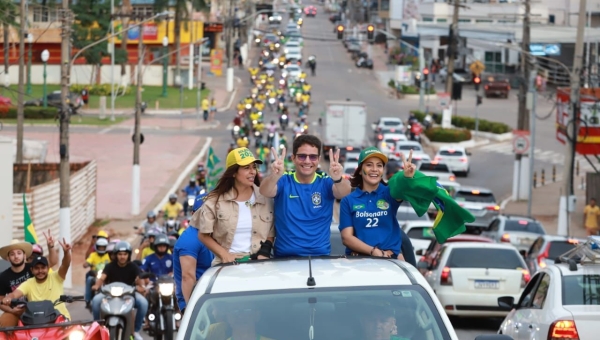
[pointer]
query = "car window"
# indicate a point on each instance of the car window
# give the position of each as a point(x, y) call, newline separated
point(536, 246)
point(524, 226)
point(421, 233)
point(391, 123)
point(541, 292)
point(484, 258)
point(494, 225)
point(581, 290)
point(426, 166)
point(410, 147)
point(527, 295)
point(557, 248)
point(470, 196)
point(391, 140)
point(333, 313)
point(350, 171)
point(455, 153)
point(436, 262)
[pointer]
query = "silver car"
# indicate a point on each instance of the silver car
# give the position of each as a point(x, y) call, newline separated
point(480, 202)
point(520, 231)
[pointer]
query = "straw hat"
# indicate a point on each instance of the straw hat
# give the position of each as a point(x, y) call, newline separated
point(16, 244)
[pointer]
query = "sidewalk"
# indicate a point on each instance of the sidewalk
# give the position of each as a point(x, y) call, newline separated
point(545, 208)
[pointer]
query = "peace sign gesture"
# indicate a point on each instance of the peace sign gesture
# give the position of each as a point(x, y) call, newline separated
point(65, 246)
point(408, 166)
point(335, 168)
point(278, 166)
point(49, 239)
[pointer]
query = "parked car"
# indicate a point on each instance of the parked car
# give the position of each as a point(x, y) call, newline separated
point(459, 75)
point(546, 248)
point(428, 255)
point(520, 231)
point(54, 100)
point(496, 86)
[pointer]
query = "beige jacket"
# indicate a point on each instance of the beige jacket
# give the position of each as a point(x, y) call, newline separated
point(220, 219)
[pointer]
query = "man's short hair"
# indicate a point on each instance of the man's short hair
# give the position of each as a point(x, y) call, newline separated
point(306, 139)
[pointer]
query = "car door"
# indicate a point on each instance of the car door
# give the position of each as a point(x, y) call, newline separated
point(492, 230)
point(521, 316)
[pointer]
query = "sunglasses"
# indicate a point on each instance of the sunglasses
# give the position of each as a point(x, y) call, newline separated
point(302, 157)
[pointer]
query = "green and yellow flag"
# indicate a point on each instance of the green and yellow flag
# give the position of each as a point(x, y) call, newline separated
point(30, 234)
point(212, 159)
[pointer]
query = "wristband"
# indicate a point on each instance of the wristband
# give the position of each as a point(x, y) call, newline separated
point(265, 250)
point(339, 180)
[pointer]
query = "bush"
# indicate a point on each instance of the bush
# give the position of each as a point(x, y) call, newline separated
point(411, 89)
point(99, 90)
point(438, 134)
point(468, 123)
point(34, 112)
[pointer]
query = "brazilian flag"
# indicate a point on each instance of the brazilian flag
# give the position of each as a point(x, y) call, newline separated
point(30, 234)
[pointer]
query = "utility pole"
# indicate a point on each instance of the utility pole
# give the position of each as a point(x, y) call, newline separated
point(20, 99)
point(452, 47)
point(64, 116)
point(230, 48)
point(571, 142)
point(135, 190)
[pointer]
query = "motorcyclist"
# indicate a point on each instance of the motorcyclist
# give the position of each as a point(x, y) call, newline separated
point(242, 141)
point(172, 209)
point(312, 63)
point(147, 247)
point(160, 262)
point(123, 270)
point(96, 261)
point(92, 246)
point(306, 99)
point(306, 87)
point(150, 224)
point(190, 190)
point(272, 128)
point(254, 116)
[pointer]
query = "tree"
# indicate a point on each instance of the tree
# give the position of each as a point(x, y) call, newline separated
point(8, 12)
point(126, 10)
point(92, 23)
point(182, 14)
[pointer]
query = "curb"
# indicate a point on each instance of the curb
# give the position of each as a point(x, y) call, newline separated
point(471, 143)
point(505, 202)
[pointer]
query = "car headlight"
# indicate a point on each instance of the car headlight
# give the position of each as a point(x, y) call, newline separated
point(236, 128)
point(248, 106)
point(283, 116)
point(190, 202)
point(116, 291)
point(77, 335)
point(165, 289)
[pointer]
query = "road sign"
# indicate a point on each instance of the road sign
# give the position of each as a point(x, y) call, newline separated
point(521, 142)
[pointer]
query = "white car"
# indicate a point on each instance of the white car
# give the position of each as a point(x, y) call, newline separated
point(420, 234)
point(405, 146)
point(456, 157)
point(352, 156)
point(337, 298)
point(387, 123)
point(294, 56)
point(388, 142)
point(469, 277)
point(561, 298)
point(292, 47)
point(275, 18)
point(350, 167)
point(291, 71)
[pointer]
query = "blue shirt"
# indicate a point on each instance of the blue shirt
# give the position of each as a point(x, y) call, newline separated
point(303, 214)
point(157, 266)
point(188, 244)
point(192, 190)
point(373, 217)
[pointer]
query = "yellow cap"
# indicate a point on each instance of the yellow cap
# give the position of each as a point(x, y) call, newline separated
point(241, 157)
point(102, 233)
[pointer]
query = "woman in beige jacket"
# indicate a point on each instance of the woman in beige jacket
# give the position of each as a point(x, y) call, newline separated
point(236, 221)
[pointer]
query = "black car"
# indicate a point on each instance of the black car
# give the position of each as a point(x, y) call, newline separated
point(54, 100)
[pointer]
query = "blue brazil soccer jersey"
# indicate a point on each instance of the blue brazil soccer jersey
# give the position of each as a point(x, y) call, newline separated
point(303, 214)
point(373, 217)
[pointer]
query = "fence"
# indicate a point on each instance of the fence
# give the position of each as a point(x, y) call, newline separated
point(44, 205)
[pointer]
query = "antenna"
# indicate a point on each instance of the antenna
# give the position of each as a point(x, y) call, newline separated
point(311, 280)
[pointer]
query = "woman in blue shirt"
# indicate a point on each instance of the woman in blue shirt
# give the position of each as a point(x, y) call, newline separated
point(368, 223)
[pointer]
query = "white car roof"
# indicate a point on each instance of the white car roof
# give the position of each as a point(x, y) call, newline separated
point(293, 274)
point(453, 245)
point(393, 135)
point(451, 147)
point(396, 119)
point(409, 142)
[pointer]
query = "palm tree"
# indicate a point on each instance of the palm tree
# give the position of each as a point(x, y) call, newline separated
point(182, 14)
point(7, 17)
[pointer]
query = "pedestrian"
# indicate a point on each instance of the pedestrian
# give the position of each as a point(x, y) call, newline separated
point(205, 108)
point(236, 220)
point(591, 214)
point(304, 198)
point(240, 61)
point(213, 108)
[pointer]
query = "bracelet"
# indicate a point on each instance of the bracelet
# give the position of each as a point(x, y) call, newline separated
point(372, 250)
point(339, 180)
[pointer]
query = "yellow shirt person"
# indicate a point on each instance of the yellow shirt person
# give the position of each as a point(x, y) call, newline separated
point(205, 104)
point(172, 210)
point(97, 261)
point(51, 290)
point(591, 214)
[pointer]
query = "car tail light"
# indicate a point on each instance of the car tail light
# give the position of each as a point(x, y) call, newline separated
point(380, 137)
point(446, 279)
point(543, 256)
point(525, 278)
point(508, 87)
point(493, 208)
point(463, 159)
point(486, 87)
point(452, 178)
point(505, 238)
point(563, 329)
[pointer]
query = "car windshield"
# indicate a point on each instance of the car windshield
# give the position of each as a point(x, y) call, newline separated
point(581, 290)
point(421, 233)
point(440, 167)
point(524, 226)
point(454, 153)
point(391, 123)
point(405, 312)
point(485, 258)
point(271, 37)
point(558, 248)
point(469, 196)
point(410, 147)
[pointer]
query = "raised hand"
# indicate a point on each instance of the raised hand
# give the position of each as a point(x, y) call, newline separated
point(49, 239)
point(408, 166)
point(65, 246)
point(278, 166)
point(335, 168)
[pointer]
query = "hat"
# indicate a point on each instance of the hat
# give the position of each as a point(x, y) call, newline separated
point(101, 233)
point(16, 244)
point(372, 152)
point(241, 157)
point(40, 259)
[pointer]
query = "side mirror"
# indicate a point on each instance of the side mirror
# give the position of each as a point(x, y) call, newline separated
point(506, 302)
point(422, 265)
point(419, 252)
point(494, 337)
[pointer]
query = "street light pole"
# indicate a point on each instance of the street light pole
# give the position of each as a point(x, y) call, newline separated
point(135, 189)
point(229, 80)
point(45, 57)
point(165, 43)
point(112, 62)
point(30, 41)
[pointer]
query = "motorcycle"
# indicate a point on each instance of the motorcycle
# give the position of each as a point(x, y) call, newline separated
point(172, 224)
point(270, 138)
point(364, 62)
point(414, 131)
point(257, 138)
point(235, 132)
point(189, 203)
point(283, 121)
point(117, 310)
point(271, 102)
point(280, 107)
point(162, 313)
point(42, 321)
point(428, 121)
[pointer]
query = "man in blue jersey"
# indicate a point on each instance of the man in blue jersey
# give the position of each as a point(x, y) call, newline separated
point(304, 198)
point(190, 260)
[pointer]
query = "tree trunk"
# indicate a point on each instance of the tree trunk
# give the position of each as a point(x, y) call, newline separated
point(99, 74)
point(125, 10)
point(178, 44)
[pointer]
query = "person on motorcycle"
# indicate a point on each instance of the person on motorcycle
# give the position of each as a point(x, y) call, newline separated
point(190, 190)
point(312, 63)
point(160, 262)
point(96, 261)
point(241, 106)
point(254, 116)
point(242, 141)
point(259, 126)
point(44, 285)
point(302, 76)
point(272, 127)
point(147, 247)
point(262, 152)
point(260, 105)
point(306, 100)
point(172, 209)
point(124, 271)
point(149, 224)
point(262, 97)
point(306, 88)
point(92, 246)
point(298, 97)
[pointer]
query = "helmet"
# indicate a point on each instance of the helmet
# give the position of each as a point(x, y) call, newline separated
point(111, 245)
point(172, 196)
point(122, 246)
point(36, 248)
point(102, 233)
point(152, 233)
point(198, 202)
point(102, 242)
point(151, 214)
point(170, 224)
point(172, 241)
point(173, 234)
point(161, 239)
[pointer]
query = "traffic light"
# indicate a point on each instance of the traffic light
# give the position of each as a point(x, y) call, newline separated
point(479, 100)
point(370, 32)
point(425, 74)
point(340, 31)
point(476, 81)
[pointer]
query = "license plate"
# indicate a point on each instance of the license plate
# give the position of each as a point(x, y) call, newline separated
point(525, 241)
point(487, 284)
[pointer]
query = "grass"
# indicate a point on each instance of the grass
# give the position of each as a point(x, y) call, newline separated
point(75, 120)
point(150, 94)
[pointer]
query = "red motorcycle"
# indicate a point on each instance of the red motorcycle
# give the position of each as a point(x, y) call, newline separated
point(42, 321)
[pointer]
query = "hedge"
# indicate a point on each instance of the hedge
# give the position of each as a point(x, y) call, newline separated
point(411, 89)
point(99, 90)
point(438, 134)
point(34, 112)
point(468, 123)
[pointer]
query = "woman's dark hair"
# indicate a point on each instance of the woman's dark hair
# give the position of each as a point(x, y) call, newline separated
point(357, 181)
point(306, 139)
point(226, 182)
